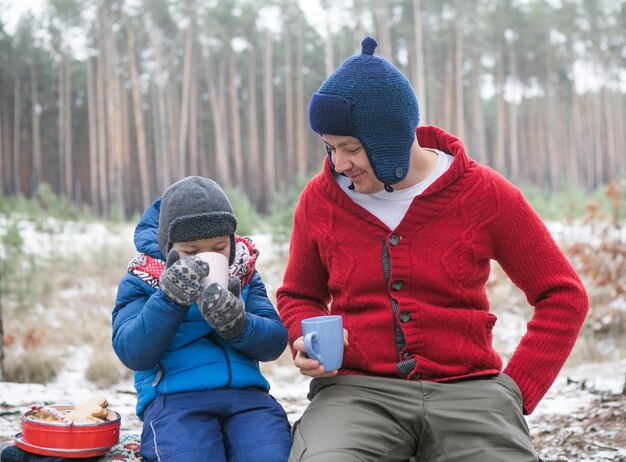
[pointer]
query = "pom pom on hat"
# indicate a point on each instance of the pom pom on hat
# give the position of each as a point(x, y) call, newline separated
point(368, 98)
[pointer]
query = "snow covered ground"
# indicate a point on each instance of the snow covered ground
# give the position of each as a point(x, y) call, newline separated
point(582, 418)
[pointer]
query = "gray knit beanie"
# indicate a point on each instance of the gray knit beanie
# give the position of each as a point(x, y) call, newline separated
point(195, 208)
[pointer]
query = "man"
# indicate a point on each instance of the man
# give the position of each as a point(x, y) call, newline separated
point(396, 235)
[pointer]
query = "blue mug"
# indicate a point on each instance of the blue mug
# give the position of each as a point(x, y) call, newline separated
point(323, 340)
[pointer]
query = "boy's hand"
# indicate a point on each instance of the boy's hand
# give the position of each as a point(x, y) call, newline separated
point(183, 280)
point(223, 309)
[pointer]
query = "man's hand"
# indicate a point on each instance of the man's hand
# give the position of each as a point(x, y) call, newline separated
point(312, 367)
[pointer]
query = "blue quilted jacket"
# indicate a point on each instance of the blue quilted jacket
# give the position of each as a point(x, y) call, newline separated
point(172, 349)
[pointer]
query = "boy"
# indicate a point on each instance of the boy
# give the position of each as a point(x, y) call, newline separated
point(195, 349)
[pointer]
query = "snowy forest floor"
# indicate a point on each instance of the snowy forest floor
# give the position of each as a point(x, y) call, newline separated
point(65, 317)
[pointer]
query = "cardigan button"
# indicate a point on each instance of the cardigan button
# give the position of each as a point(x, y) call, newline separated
point(405, 316)
point(406, 356)
point(397, 285)
point(393, 240)
point(415, 376)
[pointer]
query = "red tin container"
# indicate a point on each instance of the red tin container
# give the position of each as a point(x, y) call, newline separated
point(61, 440)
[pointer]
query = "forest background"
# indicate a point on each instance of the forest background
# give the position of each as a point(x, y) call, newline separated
point(106, 102)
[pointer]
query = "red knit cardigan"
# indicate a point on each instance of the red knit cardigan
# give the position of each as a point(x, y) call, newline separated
point(439, 259)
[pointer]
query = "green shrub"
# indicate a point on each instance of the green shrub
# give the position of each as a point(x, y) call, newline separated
point(12, 240)
point(116, 214)
point(283, 208)
point(5, 205)
point(105, 369)
point(44, 204)
point(55, 206)
point(31, 366)
point(248, 219)
point(573, 203)
point(21, 281)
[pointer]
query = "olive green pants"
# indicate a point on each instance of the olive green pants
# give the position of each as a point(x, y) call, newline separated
point(360, 418)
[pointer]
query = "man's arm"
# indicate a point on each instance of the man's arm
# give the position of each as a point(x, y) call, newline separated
point(534, 262)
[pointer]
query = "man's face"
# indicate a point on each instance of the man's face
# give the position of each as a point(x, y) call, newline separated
point(219, 244)
point(350, 158)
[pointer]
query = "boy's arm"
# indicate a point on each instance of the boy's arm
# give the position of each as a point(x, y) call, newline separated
point(264, 337)
point(144, 323)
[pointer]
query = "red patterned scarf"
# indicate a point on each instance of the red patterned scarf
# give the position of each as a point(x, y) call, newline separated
point(149, 269)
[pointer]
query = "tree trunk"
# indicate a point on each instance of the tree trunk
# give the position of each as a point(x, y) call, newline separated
point(383, 28)
point(93, 136)
point(129, 164)
point(216, 85)
point(162, 157)
point(620, 137)
point(289, 151)
point(301, 129)
point(268, 96)
point(173, 111)
point(458, 79)
point(184, 104)
point(67, 124)
point(538, 149)
point(1, 326)
point(513, 123)
point(576, 133)
point(157, 136)
point(418, 73)
point(550, 148)
point(359, 8)
point(102, 126)
point(37, 164)
point(194, 156)
point(433, 88)
point(62, 182)
point(478, 139)
point(499, 163)
point(590, 156)
point(164, 173)
point(3, 158)
point(609, 127)
point(562, 150)
point(203, 164)
point(235, 122)
point(448, 85)
point(140, 132)
point(328, 42)
point(253, 165)
point(113, 94)
point(17, 145)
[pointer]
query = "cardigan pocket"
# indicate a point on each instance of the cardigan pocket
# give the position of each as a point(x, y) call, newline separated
point(458, 341)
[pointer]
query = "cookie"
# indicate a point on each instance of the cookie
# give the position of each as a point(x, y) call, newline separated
point(92, 410)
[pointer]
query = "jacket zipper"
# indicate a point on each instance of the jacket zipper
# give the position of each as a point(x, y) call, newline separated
point(159, 375)
point(227, 359)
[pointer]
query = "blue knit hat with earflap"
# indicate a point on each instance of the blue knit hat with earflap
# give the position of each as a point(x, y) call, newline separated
point(368, 98)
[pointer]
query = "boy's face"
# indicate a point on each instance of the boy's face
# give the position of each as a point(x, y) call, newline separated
point(219, 244)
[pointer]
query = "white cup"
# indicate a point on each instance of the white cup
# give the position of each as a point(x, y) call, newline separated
point(218, 265)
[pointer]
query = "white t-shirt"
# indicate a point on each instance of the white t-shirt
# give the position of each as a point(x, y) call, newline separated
point(390, 208)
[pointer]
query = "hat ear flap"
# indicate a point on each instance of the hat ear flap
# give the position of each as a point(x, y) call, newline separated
point(231, 259)
point(330, 156)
